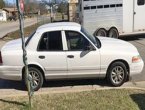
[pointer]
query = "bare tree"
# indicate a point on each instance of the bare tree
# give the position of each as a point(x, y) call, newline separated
point(51, 4)
point(42, 9)
point(31, 7)
point(2, 4)
point(63, 8)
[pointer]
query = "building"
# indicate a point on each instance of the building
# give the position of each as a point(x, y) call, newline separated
point(3, 15)
point(11, 11)
point(73, 4)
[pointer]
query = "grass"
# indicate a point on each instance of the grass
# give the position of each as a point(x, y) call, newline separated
point(123, 99)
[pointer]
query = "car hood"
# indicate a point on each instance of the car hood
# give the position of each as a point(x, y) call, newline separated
point(111, 44)
point(13, 45)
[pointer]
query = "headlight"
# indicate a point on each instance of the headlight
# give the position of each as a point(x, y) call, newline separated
point(136, 59)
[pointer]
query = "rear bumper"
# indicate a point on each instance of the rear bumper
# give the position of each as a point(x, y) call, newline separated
point(136, 68)
point(10, 72)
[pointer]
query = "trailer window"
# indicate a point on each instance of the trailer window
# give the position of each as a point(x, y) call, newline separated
point(100, 6)
point(86, 8)
point(112, 5)
point(93, 7)
point(141, 2)
point(106, 6)
point(119, 5)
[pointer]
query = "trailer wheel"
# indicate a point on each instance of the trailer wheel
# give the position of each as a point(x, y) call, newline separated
point(113, 33)
point(101, 32)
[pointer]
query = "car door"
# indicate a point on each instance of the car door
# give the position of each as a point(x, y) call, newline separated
point(51, 55)
point(82, 57)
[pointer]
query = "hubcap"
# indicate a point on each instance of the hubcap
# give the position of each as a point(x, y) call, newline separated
point(117, 74)
point(35, 78)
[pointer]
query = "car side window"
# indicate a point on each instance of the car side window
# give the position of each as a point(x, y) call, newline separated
point(76, 41)
point(141, 2)
point(51, 41)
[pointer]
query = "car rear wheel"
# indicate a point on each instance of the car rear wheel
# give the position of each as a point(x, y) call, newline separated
point(116, 74)
point(36, 78)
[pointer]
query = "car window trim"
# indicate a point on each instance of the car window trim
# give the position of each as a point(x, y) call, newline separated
point(85, 33)
point(29, 38)
point(84, 37)
point(89, 41)
point(49, 50)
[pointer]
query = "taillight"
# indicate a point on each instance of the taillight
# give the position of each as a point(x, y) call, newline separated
point(1, 58)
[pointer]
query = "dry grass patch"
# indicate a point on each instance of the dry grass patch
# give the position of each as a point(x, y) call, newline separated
point(16, 34)
point(92, 100)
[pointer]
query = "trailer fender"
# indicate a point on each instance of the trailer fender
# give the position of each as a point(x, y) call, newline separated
point(113, 32)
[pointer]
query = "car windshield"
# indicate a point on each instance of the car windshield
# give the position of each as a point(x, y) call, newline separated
point(92, 38)
point(29, 38)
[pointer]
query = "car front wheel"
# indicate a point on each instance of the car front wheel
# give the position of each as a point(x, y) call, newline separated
point(116, 74)
point(36, 78)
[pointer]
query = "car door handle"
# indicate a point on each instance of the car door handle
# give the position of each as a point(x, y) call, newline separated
point(70, 56)
point(42, 57)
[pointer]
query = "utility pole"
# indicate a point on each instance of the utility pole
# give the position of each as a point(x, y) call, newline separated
point(20, 7)
point(51, 13)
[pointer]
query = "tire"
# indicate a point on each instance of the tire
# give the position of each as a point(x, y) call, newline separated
point(37, 78)
point(113, 33)
point(101, 32)
point(117, 74)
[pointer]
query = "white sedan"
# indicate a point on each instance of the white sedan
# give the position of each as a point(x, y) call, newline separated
point(66, 51)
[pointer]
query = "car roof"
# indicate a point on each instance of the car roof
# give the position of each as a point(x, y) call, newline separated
point(60, 26)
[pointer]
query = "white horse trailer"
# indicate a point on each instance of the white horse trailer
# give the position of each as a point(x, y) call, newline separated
point(112, 18)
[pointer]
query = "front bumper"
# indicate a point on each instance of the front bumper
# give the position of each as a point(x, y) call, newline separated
point(10, 72)
point(136, 68)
